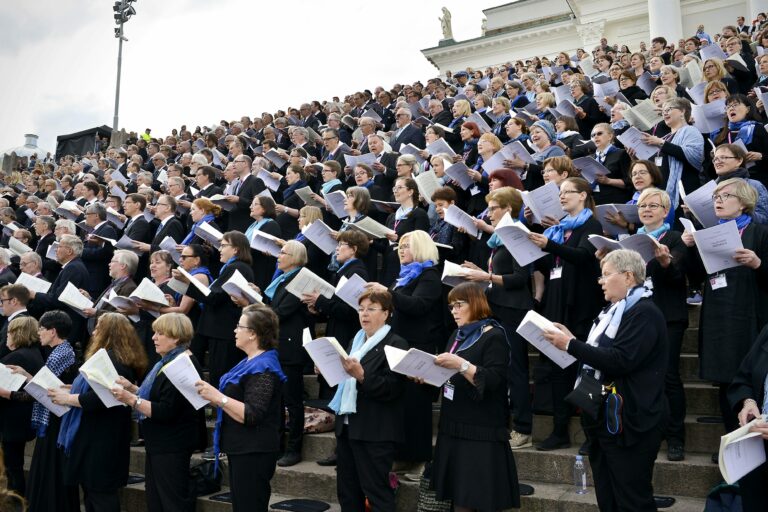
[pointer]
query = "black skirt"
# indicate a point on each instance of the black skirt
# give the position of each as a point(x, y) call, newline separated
point(491, 485)
point(46, 491)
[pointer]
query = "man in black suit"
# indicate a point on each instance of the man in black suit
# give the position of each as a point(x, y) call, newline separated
point(438, 113)
point(247, 188)
point(334, 149)
point(122, 268)
point(44, 226)
point(308, 120)
point(138, 228)
point(66, 187)
point(97, 253)
point(299, 136)
point(73, 271)
point(165, 214)
point(406, 133)
point(15, 298)
point(385, 165)
point(204, 178)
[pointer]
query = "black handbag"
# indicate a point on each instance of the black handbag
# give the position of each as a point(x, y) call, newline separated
point(204, 479)
point(587, 395)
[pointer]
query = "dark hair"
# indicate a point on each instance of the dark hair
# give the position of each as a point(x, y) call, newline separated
point(92, 186)
point(202, 252)
point(583, 185)
point(752, 115)
point(519, 122)
point(138, 198)
point(209, 172)
point(16, 291)
point(356, 240)
point(659, 40)
point(383, 299)
point(240, 243)
point(410, 184)
point(268, 204)
point(469, 125)
point(297, 169)
point(264, 322)
point(657, 179)
point(736, 150)
point(474, 296)
point(444, 194)
point(58, 320)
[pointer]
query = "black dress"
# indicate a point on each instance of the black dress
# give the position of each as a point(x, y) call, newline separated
point(415, 219)
point(473, 427)
point(262, 264)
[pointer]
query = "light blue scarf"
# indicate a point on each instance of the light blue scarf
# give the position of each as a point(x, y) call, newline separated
point(495, 241)
point(402, 212)
point(656, 233)
point(411, 271)
point(691, 142)
point(272, 288)
point(255, 227)
point(149, 380)
point(345, 399)
point(326, 187)
point(556, 233)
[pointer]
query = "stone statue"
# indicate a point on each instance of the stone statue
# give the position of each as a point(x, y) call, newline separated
point(484, 26)
point(445, 24)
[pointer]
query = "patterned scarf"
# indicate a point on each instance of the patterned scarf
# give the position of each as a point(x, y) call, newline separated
point(62, 357)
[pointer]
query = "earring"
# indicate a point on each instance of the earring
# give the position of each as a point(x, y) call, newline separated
point(251, 338)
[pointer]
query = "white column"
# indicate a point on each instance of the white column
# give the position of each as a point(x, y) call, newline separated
point(664, 20)
point(755, 6)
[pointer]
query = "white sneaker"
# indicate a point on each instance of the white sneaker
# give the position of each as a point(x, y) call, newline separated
point(518, 440)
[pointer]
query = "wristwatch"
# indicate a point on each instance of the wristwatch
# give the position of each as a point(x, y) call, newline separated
point(464, 367)
point(137, 403)
point(224, 401)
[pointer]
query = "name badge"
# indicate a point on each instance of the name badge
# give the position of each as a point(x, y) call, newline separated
point(596, 189)
point(448, 390)
point(649, 283)
point(474, 190)
point(718, 282)
point(556, 273)
point(659, 161)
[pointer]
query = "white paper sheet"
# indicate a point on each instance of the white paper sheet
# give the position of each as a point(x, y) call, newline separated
point(417, 363)
point(532, 328)
point(700, 202)
point(9, 380)
point(33, 283)
point(238, 286)
point(72, 297)
point(169, 244)
point(717, 246)
point(38, 388)
point(102, 377)
point(183, 375)
point(457, 217)
point(326, 353)
point(307, 281)
point(632, 138)
point(544, 201)
point(514, 235)
point(320, 234)
point(741, 451)
point(370, 227)
point(349, 290)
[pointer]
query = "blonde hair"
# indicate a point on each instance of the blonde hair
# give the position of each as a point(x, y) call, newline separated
point(423, 248)
point(311, 214)
point(175, 325)
point(743, 190)
point(23, 331)
point(463, 108)
point(653, 191)
point(547, 98)
point(493, 140)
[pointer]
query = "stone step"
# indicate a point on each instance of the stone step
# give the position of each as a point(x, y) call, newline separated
point(693, 477)
point(689, 366)
point(699, 437)
point(693, 316)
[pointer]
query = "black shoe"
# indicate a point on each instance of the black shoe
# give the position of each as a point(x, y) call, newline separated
point(289, 459)
point(328, 461)
point(526, 490)
point(715, 458)
point(584, 448)
point(553, 443)
point(664, 501)
point(137, 443)
point(675, 452)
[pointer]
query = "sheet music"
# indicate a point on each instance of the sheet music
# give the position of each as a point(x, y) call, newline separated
point(335, 200)
point(9, 380)
point(370, 227)
point(427, 183)
point(417, 363)
point(717, 245)
point(264, 242)
point(632, 138)
point(150, 292)
point(457, 217)
point(453, 274)
point(440, 146)
point(38, 388)
point(544, 201)
point(183, 375)
point(326, 353)
point(238, 286)
point(320, 234)
point(514, 235)
point(349, 290)
point(459, 172)
point(410, 149)
point(169, 244)
point(33, 283)
point(532, 328)
point(700, 202)
point(72, 297)
point(307, 281)
point(269, 181)
point(210, 234)
point(102, 377)
point(366, 158)
point(221, 201)
point(51, 252)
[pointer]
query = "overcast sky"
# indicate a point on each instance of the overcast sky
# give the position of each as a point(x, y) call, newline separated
point(195, 62)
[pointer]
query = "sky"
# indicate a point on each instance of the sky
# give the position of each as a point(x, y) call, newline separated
point(196, 62)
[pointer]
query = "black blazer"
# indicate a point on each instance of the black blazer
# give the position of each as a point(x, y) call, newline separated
point(209, 192)
point(515, 292)
point(173, 229)
point(240, 216)
point(264, 265)
point(410, 135)
point(261, 394)
point(175, 425)
point(220, 315)
point(418, 315)
point(293, 318)
point(386, 179)
point(669, 284)
point(636, 362)
point(343, 320)
point(593, 116)
point(379, 416)
point(50, 267)
point(444, 118)
point(16, 415)
point(617, 162)
point(74, 272)
point(749, 381)
point(96, 259)
point(139, 230)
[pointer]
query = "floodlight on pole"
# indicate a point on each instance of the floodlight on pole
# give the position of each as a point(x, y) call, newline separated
point(123, 12)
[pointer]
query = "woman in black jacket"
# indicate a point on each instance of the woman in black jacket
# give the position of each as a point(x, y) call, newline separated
point(369, 411)
point(510, 298)
point(615, 187)
point(588, 112)
point(626, 349)
point(418, 318)
point(263, 214)
point(96, 439)
point(220, 315)
point(288, 210)
point(15, 407)
point(170, 424)
point(248, 410)
point(630, 89)
point(568, 276)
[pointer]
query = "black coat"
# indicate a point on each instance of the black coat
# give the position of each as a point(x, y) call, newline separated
point(669, 284)
point(636, 362)
point(418, 315)
point(50, 267)
point(240, 216)
point(634, 94)
point(293, 318)
point(172, 228)
point(16, 415)
point(379, 416)
point(96, 257)
point(74, 272)
point(515, 292)
point(264, 265)
point(617, 162)
point(343, 320)
point(749, 381)
point(410, 135)
point(593, 116)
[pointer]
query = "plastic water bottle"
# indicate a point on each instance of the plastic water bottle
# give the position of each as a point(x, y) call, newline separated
point(580, 475)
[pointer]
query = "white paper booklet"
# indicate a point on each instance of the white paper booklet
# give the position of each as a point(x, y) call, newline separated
point(239, 287)
point(457, 217)
point(307, 281)
point(642, 243)
point(319, 234)
point(514, 235)
point(416, 363)
point(349, 290)
point(72, 297)
point(741, 451)
point(717, 246)
point(102, 377)
point(9, 380)
point(453, 274)
point(33, 283)
point(700, 203)
point(326, 354)
point(183, 375)
point(532, 328)
point(210, 234)
point(38, 388)
point(264, 242)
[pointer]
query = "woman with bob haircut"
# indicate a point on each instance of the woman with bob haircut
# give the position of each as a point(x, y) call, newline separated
point(248, 410)
point(473, 411)
point(170, 424)
point(96, 439)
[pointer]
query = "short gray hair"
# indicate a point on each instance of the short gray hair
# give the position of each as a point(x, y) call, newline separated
point(129, 259)
point(68, 225)
point(34, 258)
point(624, 260)
point(74, 243)
point(297, 251)
point(99, 209)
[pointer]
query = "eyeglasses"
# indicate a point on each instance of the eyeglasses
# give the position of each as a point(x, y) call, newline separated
point(401, 115)
point(185, 256)
point(225, 244)
point(343, 244)
point(598, 134)
point(361, 173)
point(402, 247)
point(243, 327)
point(649, 206)
point(710, 66)
point(398, 187)
point(722, 197)
point(566, 192)
point(283, 253)
point(368, 310)
point(602, 279)
point(640, 172)
point(453, 306)
point(492, 209)
point(721, 158)
point(5, 300)
point(328, 138)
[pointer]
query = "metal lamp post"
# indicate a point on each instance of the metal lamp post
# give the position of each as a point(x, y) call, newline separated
point(123, 12)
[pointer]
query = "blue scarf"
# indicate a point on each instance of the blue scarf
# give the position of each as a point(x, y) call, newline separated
point(479, 165)
point(228, 263)
point(255, 227)
point(495, 241)
point(208, 217)
point(411, 271)
point(635, 197)
point(326, 187)
point(746, 130)
point(263, 363)
point(742, 221)
point(522, 138)
point(272, 288)
point(288, 192)
point(345, 399)
point(368, 184)
point(62, 357)
point(456, 121)
point(149, 380)
point(620, 125)
point(469, 146)
point(556, 233)
point(467, 335)
point(656, 233)
point(70, 423)
point(346, 264)
point(690, 140)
